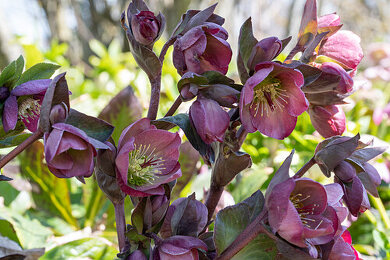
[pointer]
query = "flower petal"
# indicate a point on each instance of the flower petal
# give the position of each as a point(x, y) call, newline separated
point(31, 87)
point(10, 113)
point(134, 129)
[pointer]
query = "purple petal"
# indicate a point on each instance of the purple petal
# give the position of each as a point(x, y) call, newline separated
point(334, 193)
point(216, 56)
point(31, 87)
point(134, 129)
point(10, 113)
point(181, 244)
point(52, 141)
point(312, 194)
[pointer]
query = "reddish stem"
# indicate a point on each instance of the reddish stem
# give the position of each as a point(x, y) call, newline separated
point(20, 148)
point(154, 96)
point(213, 197)
point(174, 107)
point(305, 168)
point(120, 221)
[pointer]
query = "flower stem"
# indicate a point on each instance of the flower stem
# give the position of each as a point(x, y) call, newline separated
point(292, 53)
point(20, 148)
point(154, 96)
point(213, 197)
point(305, 168)
point(120, 221)
point(165, 48)
point(174, 107)
point(245, 237)
point(378, 204)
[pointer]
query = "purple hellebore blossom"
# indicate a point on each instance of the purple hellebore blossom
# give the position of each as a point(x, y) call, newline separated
point(299, 212)
point(179, 247)
point(272, 99)
point(209, 119)
point(147, 157)
point(340, 248)
point(346, 82)
point(327, 120)
point(203, 48)
point(137, 255)
point(343, 47)
point(145, 27)
point(24, 102)
point(69, 152)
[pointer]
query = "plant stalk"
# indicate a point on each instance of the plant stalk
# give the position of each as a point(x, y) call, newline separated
point(20, 148)
point(305, 168)
point(154, 96)
point(174, 107)
point(213, 198)
point(120, 224)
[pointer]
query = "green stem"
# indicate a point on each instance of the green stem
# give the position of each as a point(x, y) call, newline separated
point(378, 204)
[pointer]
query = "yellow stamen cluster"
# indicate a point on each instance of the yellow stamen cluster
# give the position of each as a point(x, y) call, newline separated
point(28, 109)
point(268, 95)
point(144, 165)
point(304, 214)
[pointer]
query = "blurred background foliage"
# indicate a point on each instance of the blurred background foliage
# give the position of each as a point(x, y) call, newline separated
point(84, 37)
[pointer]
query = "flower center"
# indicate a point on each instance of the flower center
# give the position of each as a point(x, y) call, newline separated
point(304, 211)
point(268, 95)
point(143, 166)
point(29, 109)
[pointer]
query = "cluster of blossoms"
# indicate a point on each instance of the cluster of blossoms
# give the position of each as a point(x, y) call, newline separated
point(144, 163)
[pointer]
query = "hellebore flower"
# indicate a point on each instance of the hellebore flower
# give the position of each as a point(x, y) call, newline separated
point(327, 120)
point(147, 158)
point(346, 82)
point(24, 102)
point(136, 255)
point(272, 99)
point(209, 120)
point(203, 48)
point(69, 152)
point(145, 27)
point(190, 221)
point(344, 48)
point(298, 211)
point(179, 247)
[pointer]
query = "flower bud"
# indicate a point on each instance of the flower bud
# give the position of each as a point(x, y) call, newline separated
point(345, 171)
point(346, 82)
point(179, 247)
point(209, 119)
point(145, 27)
point(327, 120)
point(265, 50)
point(58, 113)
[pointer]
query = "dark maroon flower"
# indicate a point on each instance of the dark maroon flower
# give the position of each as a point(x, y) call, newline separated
point(346, 82)
point(298, 211)
point(203, 48)
point(179, 247)
point(340, 248)
point(23, 102)
point(145, 27)
point(69, 152)
point(327, 120)
point(190, 220)
point(272, 99)
point(147, 158)
point(209, 120)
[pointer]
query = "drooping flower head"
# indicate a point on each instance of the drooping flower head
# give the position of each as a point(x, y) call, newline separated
point(147, 158)
point(145, 27)
point(203, 48)
point(272, 99)
point(24, 103)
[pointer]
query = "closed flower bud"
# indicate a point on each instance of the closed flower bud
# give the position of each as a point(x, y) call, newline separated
point(327, 120)
point(145, 27)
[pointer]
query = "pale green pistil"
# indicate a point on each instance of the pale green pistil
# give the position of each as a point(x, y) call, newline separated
point(143, 166)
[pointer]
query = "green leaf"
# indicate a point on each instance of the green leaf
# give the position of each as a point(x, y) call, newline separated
point(86, 248)
point(92, 126)
point(18, 129)
point(11, 74)
point(246, 42)
point(183, 121)
point(8, 192)
point(231, 221)
point(53, 193)
point(7, 230)
point(38, 71)
point(13, 140)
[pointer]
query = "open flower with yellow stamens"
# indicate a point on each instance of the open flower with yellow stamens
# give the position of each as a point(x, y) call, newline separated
point(24, 103)
point(272, 99)
point(299, 211)
point(147, 158)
